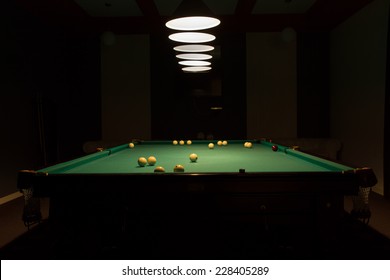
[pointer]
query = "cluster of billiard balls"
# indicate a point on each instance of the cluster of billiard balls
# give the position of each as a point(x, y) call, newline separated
point(219, 143)
point(189, 142)
point(248, 145)
point(181, 142)
point(142, 161)
point(210, 145)
point(222, 143)
point(150, 161)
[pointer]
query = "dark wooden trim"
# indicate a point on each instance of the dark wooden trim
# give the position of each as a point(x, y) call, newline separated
point(327, 14)
point(149, 9)
point(322, 16)
point(244, 7)
point(386, 149)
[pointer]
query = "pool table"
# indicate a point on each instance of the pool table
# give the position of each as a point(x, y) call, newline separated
point(228, 187)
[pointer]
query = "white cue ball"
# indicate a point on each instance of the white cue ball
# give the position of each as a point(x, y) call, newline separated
point(189, 142)
point(181, 142)
point(152, 160)
point(224, 143)
point(142, 161)
point(175, 142)
point(193, 157)
point(211, 146)
point(219, 143)
point(131, 145)
point(178, 168)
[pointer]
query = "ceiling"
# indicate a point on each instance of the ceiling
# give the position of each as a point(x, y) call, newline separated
point(148, 16)
point(130, 8)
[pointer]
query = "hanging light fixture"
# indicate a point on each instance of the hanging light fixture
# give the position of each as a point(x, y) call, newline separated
point(192, 15)
point(192, 23)
point(193, 48)
point(195, 69)
point(194, 63)
point(194, 56)
point(192, 37)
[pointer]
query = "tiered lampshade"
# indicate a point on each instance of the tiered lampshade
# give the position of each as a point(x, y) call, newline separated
point(194, 63)
point(193, 48)
point(192, 23)
point(192, 37)
point(190, 16)
point(195, 69)
point(194, 56)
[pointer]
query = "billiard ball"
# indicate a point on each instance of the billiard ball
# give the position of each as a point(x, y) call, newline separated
point(219, 143)
point(181, 142)
point(211, 146)
point(246, 144)
point(142, 161)
point(189, 142)
point(152, 160)
point(178, 168)
point(131, 145)
point(193, 157)
point(159, 169)
point(275, 148)
point(174, 142)
point(224, 142)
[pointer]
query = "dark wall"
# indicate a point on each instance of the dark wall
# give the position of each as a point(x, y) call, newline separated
point(181, 101)
point(79, 113)
point(50, 94)
point(64, 84)
point(313, 85)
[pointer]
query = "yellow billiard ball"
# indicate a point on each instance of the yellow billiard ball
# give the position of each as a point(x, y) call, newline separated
point(224, 142)
point(174, 142)
point(131, 145)
point(152, 160)
point(178, 168)
point(193, 157)
point(219, 143)
point(211, 146)
point(159, 169)
point(189, 142)
point(142, 161)
point(181, 142)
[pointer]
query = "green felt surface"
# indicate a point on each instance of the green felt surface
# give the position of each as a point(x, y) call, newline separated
point(230, 158)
